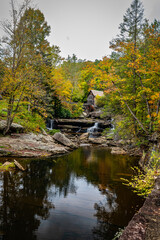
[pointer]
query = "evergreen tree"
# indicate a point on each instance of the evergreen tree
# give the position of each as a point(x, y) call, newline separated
point(126, 49)
point(131, 27)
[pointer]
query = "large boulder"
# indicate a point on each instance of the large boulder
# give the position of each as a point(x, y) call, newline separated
point(14, 127)
point(118, 150)
point(61, 138)
point(83, 115)
point(84, 137)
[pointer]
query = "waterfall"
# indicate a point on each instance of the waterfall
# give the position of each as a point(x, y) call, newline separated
point(93, 129)
point(112, 126)
point(50, 124)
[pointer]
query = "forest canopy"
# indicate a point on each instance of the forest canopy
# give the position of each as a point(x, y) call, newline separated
point(36, 82)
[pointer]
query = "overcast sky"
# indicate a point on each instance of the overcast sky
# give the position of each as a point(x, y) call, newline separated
point(84, 27)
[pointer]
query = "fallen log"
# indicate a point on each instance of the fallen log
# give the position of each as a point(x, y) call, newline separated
point(19, 165)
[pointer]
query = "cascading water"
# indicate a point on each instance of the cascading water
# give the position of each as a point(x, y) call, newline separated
point(50, 124)
point(93, 130)
point(112, 125)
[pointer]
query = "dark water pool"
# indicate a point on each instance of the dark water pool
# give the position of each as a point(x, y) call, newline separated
point(77, 196)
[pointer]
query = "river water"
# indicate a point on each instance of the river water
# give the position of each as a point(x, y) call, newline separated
point(73, 197)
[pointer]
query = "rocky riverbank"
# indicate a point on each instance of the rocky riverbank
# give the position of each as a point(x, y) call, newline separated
point(145, 225)
point(116, 146)
point(31, 145)
point(44, 145)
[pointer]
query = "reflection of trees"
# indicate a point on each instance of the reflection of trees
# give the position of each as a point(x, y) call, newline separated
point(24, 197)
point(105, 229)
point(111, 213)
point(23, 200)
point(63, 178)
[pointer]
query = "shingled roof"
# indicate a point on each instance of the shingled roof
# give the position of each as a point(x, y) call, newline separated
point(97, 93)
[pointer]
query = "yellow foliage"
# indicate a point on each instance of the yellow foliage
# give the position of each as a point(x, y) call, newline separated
point(60, 85)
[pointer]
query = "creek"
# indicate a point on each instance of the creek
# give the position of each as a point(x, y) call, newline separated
point(73, 197)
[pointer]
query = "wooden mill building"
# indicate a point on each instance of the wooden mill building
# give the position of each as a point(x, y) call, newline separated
point(91, 99)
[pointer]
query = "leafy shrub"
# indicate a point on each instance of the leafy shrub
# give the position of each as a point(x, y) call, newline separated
point(118, 234)
point(53, 131)
point(143, 181)
point(108, 133)
point(100, 101)
point(30, 121)
point(3, 108)
point(7, 167)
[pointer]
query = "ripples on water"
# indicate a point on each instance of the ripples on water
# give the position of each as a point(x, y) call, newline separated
point(77, 196)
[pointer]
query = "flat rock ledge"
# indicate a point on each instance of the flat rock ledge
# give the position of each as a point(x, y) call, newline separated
point(145, 225)
point(30, 145)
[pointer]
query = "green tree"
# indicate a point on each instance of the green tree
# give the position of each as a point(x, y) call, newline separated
point(26, 53)
point(131, 27)
point(125, 48)
point(72, 67)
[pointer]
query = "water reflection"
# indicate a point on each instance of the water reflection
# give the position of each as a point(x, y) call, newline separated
point(78, 197)
point(23, 197)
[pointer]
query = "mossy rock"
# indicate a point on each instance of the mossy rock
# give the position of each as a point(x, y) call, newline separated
point(7, 166)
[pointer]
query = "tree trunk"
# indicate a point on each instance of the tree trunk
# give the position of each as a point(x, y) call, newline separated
point(9, 116)
point(8, 125)
point(130, 110)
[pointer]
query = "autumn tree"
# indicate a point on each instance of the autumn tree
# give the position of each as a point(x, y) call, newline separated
point(148, 72)
point(96, 75)
point(126, 48)
point(27, 57)
point(86, 76)
point(72, 67)
point(62, 91)
point(143, 71)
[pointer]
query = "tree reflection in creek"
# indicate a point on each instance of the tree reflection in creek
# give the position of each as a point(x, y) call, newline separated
point(23, 199)
point(79, 194)
point(104, 229)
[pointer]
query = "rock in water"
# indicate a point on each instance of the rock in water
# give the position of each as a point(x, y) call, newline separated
point(6, 164)
point(118, 150)
point(61, 138)
point(99, 140)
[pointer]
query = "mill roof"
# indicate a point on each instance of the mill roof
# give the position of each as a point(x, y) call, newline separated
point(97, 93)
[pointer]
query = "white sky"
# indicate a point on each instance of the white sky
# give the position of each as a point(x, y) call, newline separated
point(84, 27)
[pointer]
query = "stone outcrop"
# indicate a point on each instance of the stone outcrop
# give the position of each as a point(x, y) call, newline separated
point(82, 122)
point(116, 147)
point(96, 114)
point(61, 138)
point(146, 223)
point(98, 140)
point(14, 127)
point(30, 145)
point(118, 150)
point(84, 137)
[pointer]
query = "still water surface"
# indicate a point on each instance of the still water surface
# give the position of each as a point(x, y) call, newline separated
point(73, 197)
